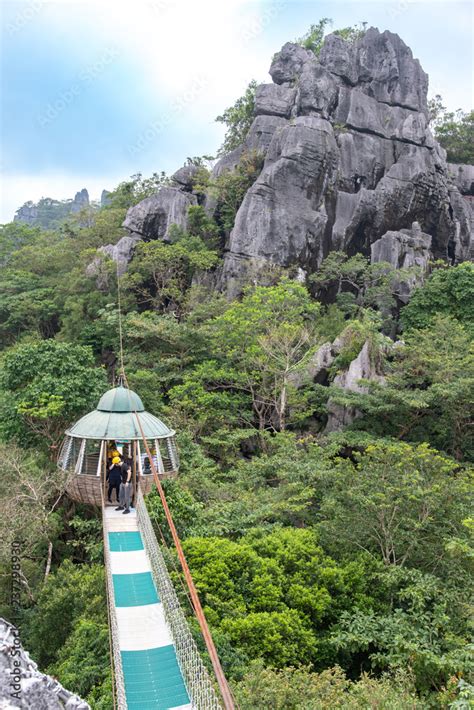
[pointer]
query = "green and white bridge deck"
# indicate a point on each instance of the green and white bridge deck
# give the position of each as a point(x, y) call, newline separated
point(151, 674)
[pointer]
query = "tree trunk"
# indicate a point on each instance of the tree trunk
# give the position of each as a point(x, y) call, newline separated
point(48, 561)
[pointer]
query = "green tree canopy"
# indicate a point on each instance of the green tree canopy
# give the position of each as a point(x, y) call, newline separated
point(46, 386)
point(449, 291)
point(238, 119)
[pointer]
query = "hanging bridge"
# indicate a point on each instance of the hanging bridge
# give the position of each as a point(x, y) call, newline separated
point(157, 665)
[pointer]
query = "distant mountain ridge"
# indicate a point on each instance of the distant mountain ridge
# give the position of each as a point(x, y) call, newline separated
point(48, 213)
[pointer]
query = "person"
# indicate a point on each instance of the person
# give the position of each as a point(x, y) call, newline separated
point(114, 477)
point(125, 493)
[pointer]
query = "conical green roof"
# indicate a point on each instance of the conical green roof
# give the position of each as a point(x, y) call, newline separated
point(115, 419)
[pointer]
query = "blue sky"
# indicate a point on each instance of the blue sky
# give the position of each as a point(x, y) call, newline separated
point(96, 90)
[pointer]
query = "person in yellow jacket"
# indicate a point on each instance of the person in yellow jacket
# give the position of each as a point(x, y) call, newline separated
point(112, 452)
point(114, 477)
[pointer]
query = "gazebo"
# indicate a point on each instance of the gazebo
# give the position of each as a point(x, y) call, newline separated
point(114, 423)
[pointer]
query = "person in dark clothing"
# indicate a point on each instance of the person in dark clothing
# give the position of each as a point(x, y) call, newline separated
point(114, 477)
point(125, 487)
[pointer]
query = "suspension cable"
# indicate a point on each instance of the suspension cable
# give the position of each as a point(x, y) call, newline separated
point(119, 305)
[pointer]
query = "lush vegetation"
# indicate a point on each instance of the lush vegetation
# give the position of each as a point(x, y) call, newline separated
point(335, 568)
point(454, 130)
point(238, 119)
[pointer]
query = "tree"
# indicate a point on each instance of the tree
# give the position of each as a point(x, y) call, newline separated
point(131, 192)
point(202, 226)
point(45, 386)
point(454, 130)
point(84, 659)
point(427, 393)
point(422, 628)
point(238, 118)
point(272, 595)
point(293, 688)
point(314, 37)
point(231, 186)
point(356, 284)
point(70, 593)
point(30, 496)
point(352, 33)
point(449, 291)
point(13, 236)
point(262, 341)
point(160, 273)
point(399, 502)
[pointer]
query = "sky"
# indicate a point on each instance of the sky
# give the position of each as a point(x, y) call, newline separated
point(94, 91)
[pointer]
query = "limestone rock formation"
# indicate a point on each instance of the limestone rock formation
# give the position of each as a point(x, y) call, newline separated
point(104, 198)
point(81, 200)
point(405, 249)
point(152, 217)
point(49, 213)
point(316, 369)
point(349, 161)
point(463, 176)
point(22, 685)
point(361, 368)
point(184, 177)
point(349, 157)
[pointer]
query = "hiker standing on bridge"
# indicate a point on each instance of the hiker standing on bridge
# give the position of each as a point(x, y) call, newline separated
point(125, 494)
point(114, 476)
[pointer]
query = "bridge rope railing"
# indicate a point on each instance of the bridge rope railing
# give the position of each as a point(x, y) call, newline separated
point(118, 682)
point(196, 677)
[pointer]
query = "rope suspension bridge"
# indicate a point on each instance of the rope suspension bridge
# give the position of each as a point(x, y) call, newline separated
point(156, 664)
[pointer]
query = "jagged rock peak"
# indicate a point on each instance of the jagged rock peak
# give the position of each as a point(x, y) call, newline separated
point(105, 198)
point(81, 200)
point(22, 685)
point(349, 156)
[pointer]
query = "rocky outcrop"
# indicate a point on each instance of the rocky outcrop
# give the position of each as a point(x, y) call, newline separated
point(80, 201)
point(316, 369)
point(406, 249)
point(463, 179)
point(27, 213)
point(105, 198)
point(363, 367)
point(184, 177)
point(22, 685)
point(49, 213)
point(153, 217)
point(150, 219)
point(349, 156)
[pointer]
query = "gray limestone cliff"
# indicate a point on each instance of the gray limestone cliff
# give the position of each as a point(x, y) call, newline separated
point(349, 157)
point(22, 685)
point(349, 163)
